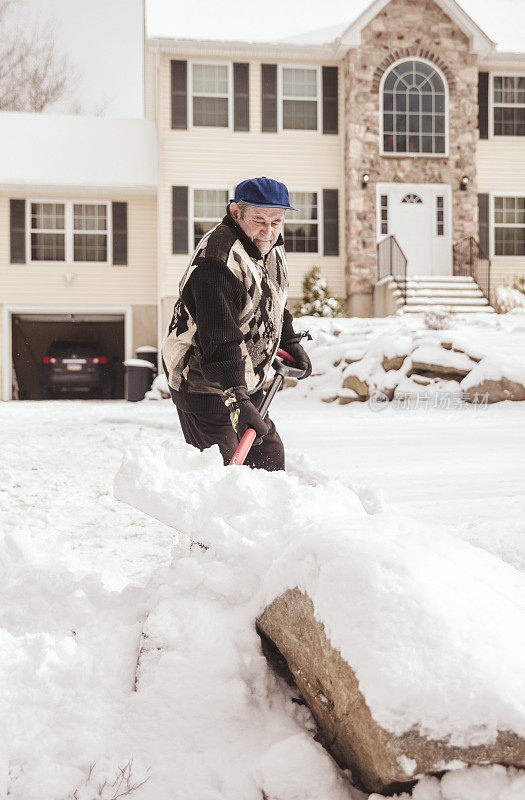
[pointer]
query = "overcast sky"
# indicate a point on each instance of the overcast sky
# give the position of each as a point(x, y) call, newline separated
point(267, 20)
point(104, 37)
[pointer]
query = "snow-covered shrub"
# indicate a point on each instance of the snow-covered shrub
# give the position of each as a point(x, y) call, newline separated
point(508, 297)
point(438, 318)
point(519, 283)
point(317, 301)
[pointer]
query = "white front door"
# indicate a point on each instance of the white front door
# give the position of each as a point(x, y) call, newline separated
point(418, 214)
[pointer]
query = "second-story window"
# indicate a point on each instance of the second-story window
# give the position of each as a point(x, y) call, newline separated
point(48, 232)
point(508, 99)
point(209, 207)
point(210, 95)
point(90, 238)
point(414, 109)
point(69, 231)
point(301, 227)
point(300, 99)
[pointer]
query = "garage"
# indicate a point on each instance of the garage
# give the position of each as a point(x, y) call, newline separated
point(35, 335)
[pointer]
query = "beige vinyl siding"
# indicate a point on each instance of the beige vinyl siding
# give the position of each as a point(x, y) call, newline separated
point(211, 157)
point(97, 284)
point(150, 76)
point(501, 170)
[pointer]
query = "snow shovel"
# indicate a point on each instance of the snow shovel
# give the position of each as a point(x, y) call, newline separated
point(282, 371)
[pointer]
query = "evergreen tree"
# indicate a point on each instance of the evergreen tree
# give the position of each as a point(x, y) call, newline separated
point(317, 301)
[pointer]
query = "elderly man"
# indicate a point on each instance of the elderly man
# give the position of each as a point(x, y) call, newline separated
point(228, 323)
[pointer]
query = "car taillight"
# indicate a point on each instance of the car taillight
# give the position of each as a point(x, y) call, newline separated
point(99, 360)
point(49, 360)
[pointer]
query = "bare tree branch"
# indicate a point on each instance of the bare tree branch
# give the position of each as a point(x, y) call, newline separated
point(33, 74)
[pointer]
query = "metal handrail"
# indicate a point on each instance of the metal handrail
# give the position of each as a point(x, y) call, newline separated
point(391, 260)
point(469, 259)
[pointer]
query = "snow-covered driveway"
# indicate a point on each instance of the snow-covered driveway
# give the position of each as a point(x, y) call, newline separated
point(63, 532)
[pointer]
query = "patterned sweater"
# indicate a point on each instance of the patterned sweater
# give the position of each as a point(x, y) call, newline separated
point(229, 320)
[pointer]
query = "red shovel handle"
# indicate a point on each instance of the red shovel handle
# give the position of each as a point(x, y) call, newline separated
point(244, 447)
point(250, 435)
point(284, 354)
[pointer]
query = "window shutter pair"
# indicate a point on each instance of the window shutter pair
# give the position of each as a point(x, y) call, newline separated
point(329, 99)
point(180, 242)
point(17, 225)
point(179, 96)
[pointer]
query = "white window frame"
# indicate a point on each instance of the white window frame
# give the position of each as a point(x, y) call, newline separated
point(69, 231)
point(229, 65)
point(497, 74)
point(320, 220)
point(191, 206)
point(390, 67)
point(280, 99)
point(492, 220)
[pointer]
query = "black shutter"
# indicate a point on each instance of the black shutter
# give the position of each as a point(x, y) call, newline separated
point(241, 97)
point(331, 222)
point(269, 97)
point(179, 94)
point(179, 215)
point(120, 233)
point(483, 105)
point(17, 225)
point(330, 122)
point(483, 224)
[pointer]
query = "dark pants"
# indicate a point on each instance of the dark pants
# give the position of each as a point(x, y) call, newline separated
point(205, 430)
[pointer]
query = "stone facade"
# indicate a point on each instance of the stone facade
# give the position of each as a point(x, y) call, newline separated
point(404, 28)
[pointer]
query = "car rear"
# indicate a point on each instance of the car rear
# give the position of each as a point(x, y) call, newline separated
point(75, 367)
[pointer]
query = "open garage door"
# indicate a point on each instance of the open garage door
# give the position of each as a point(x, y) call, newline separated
point(34, 334)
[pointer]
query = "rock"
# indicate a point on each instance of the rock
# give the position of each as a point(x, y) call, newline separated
point(393, 363)
point(495, 391)
point(422, 380)
point(378, 759)
point(473, 356)
point(346, 396)
point(329, 399)
point(498, 378)
point(437, 362)
point(357, 385)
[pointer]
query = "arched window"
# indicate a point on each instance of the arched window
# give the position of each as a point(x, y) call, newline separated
point(414, 111)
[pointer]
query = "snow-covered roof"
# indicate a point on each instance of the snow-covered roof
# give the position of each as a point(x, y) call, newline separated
point(349, 34)
point(77, 151)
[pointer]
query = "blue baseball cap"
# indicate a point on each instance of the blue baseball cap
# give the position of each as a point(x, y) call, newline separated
point(263, 192)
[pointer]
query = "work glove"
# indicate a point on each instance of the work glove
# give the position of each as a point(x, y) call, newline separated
point(243, 414)
point(299, 355)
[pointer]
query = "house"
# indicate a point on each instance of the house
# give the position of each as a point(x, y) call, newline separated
point(406, 123)
point(78, 256)
point(400, 135)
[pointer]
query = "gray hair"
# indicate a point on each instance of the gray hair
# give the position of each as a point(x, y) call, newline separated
point(242, 206)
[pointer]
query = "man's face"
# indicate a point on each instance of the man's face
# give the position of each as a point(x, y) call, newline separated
point(261, 225)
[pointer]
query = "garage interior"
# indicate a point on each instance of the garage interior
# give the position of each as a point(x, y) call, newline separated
point(32, 335)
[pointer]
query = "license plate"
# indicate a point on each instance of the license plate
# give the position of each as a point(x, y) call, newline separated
point(74, 366)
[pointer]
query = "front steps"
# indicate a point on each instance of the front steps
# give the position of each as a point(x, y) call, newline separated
point(458, 293)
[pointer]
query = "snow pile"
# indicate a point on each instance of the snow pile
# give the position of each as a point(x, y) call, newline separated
point(159, 389)
point(380, 586)
point(474, 783)
point(357, 346)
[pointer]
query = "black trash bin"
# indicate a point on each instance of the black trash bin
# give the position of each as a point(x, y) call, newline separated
point(138, 378)
point(147, 353)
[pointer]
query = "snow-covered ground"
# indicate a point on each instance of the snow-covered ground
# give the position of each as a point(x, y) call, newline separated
point(75, 596)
